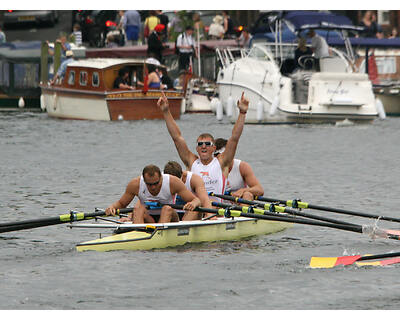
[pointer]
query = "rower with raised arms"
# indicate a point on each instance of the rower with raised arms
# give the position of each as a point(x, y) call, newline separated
point(154, 186)
point(214, 171)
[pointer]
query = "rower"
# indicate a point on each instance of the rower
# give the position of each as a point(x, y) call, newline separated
point(194, 183)
point(242, 182)
point(155, 187)
point(214, 171)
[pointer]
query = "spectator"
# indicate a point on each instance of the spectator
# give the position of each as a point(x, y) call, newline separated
point(245, 38)
point(394, 33)
point(155, 45)
point(150, 23)
point(216, 30)
point(122, 26)
point(228, 25)
point(77, 34)
point(2, 36)
point(176, 26)
point(154, 78)
point(198, 26)
point(180, 81)
point(371, 29)
point(164, 21)
point(65, 46)
point(302, 50)
point(166, 80)
point(131, 19)
point(63, 67)
point(318, 46)
point(112, 40)
point(122, 81)
point(186, 46)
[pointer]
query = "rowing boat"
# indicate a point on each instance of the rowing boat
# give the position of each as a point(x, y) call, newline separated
point(130, 236)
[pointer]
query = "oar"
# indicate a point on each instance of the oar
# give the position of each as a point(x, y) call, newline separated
point(64, 218)
point(306, 205)
point(274, 208)
point(373, 232)
point(330, 262)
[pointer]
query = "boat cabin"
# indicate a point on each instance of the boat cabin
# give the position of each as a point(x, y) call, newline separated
point(99, 74)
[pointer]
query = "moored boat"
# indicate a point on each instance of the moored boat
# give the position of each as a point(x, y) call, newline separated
point(158, 236)
point(283, 90)
point(86, 92)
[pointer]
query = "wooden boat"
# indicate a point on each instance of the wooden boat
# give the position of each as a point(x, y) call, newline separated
point(86, 92)
point(157, 236)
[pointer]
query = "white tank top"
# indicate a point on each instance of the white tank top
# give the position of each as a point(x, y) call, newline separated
point(188, 180)
point(164, 196)
point(235, 179)
point(214, 180)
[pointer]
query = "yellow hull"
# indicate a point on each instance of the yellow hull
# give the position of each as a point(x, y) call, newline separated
point(177, 234)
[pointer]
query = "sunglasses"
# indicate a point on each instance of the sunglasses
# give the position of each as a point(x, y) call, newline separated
point(152, 184)
point(206, 143)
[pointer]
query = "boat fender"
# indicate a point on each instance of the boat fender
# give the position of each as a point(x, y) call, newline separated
point(380, 109)
point(260, 110)
point(21, 102)
point(274, 106)
point(229, 106)
point(183, 106)
point(42, 103)
point(213, 105)
point(219, 110)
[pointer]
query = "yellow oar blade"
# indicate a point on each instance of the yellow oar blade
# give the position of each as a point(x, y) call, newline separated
point(322, 262)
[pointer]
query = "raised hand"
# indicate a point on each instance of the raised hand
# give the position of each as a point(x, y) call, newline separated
point(243, 103)
point(162, 103)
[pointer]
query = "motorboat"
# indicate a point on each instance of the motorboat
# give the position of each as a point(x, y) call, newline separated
point(282, 90)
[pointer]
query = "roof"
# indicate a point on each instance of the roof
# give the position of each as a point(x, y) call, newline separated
point(103, 63)
point(319, 20)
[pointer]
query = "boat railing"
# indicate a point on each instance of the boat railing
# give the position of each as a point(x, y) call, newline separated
point(226, 56)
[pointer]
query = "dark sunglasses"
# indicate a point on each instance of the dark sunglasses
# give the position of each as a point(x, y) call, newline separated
point(206, 143)
point(152, 184)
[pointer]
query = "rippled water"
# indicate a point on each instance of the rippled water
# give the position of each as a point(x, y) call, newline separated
point(50, 166)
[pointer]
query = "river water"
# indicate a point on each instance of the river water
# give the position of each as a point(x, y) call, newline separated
point(50, 166)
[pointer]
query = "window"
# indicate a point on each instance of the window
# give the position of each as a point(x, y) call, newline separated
point(383, 17)
point(71, 78)
point(83, 76)
point(95, 79)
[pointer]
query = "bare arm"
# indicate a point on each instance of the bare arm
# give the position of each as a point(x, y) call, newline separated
point(178, 187)
point(197, 185)
point(253, 185)
point(230, 149)
point(132, 189)
point(185, 154)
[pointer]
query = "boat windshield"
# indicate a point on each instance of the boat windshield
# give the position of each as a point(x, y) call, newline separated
point(266, 51)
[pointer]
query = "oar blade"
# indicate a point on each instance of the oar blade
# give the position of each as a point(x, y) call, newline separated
point(378, 263)
point(330, 262)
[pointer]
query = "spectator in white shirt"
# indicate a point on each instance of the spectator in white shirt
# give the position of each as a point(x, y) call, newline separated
point(186, 46)
point(319, 47)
